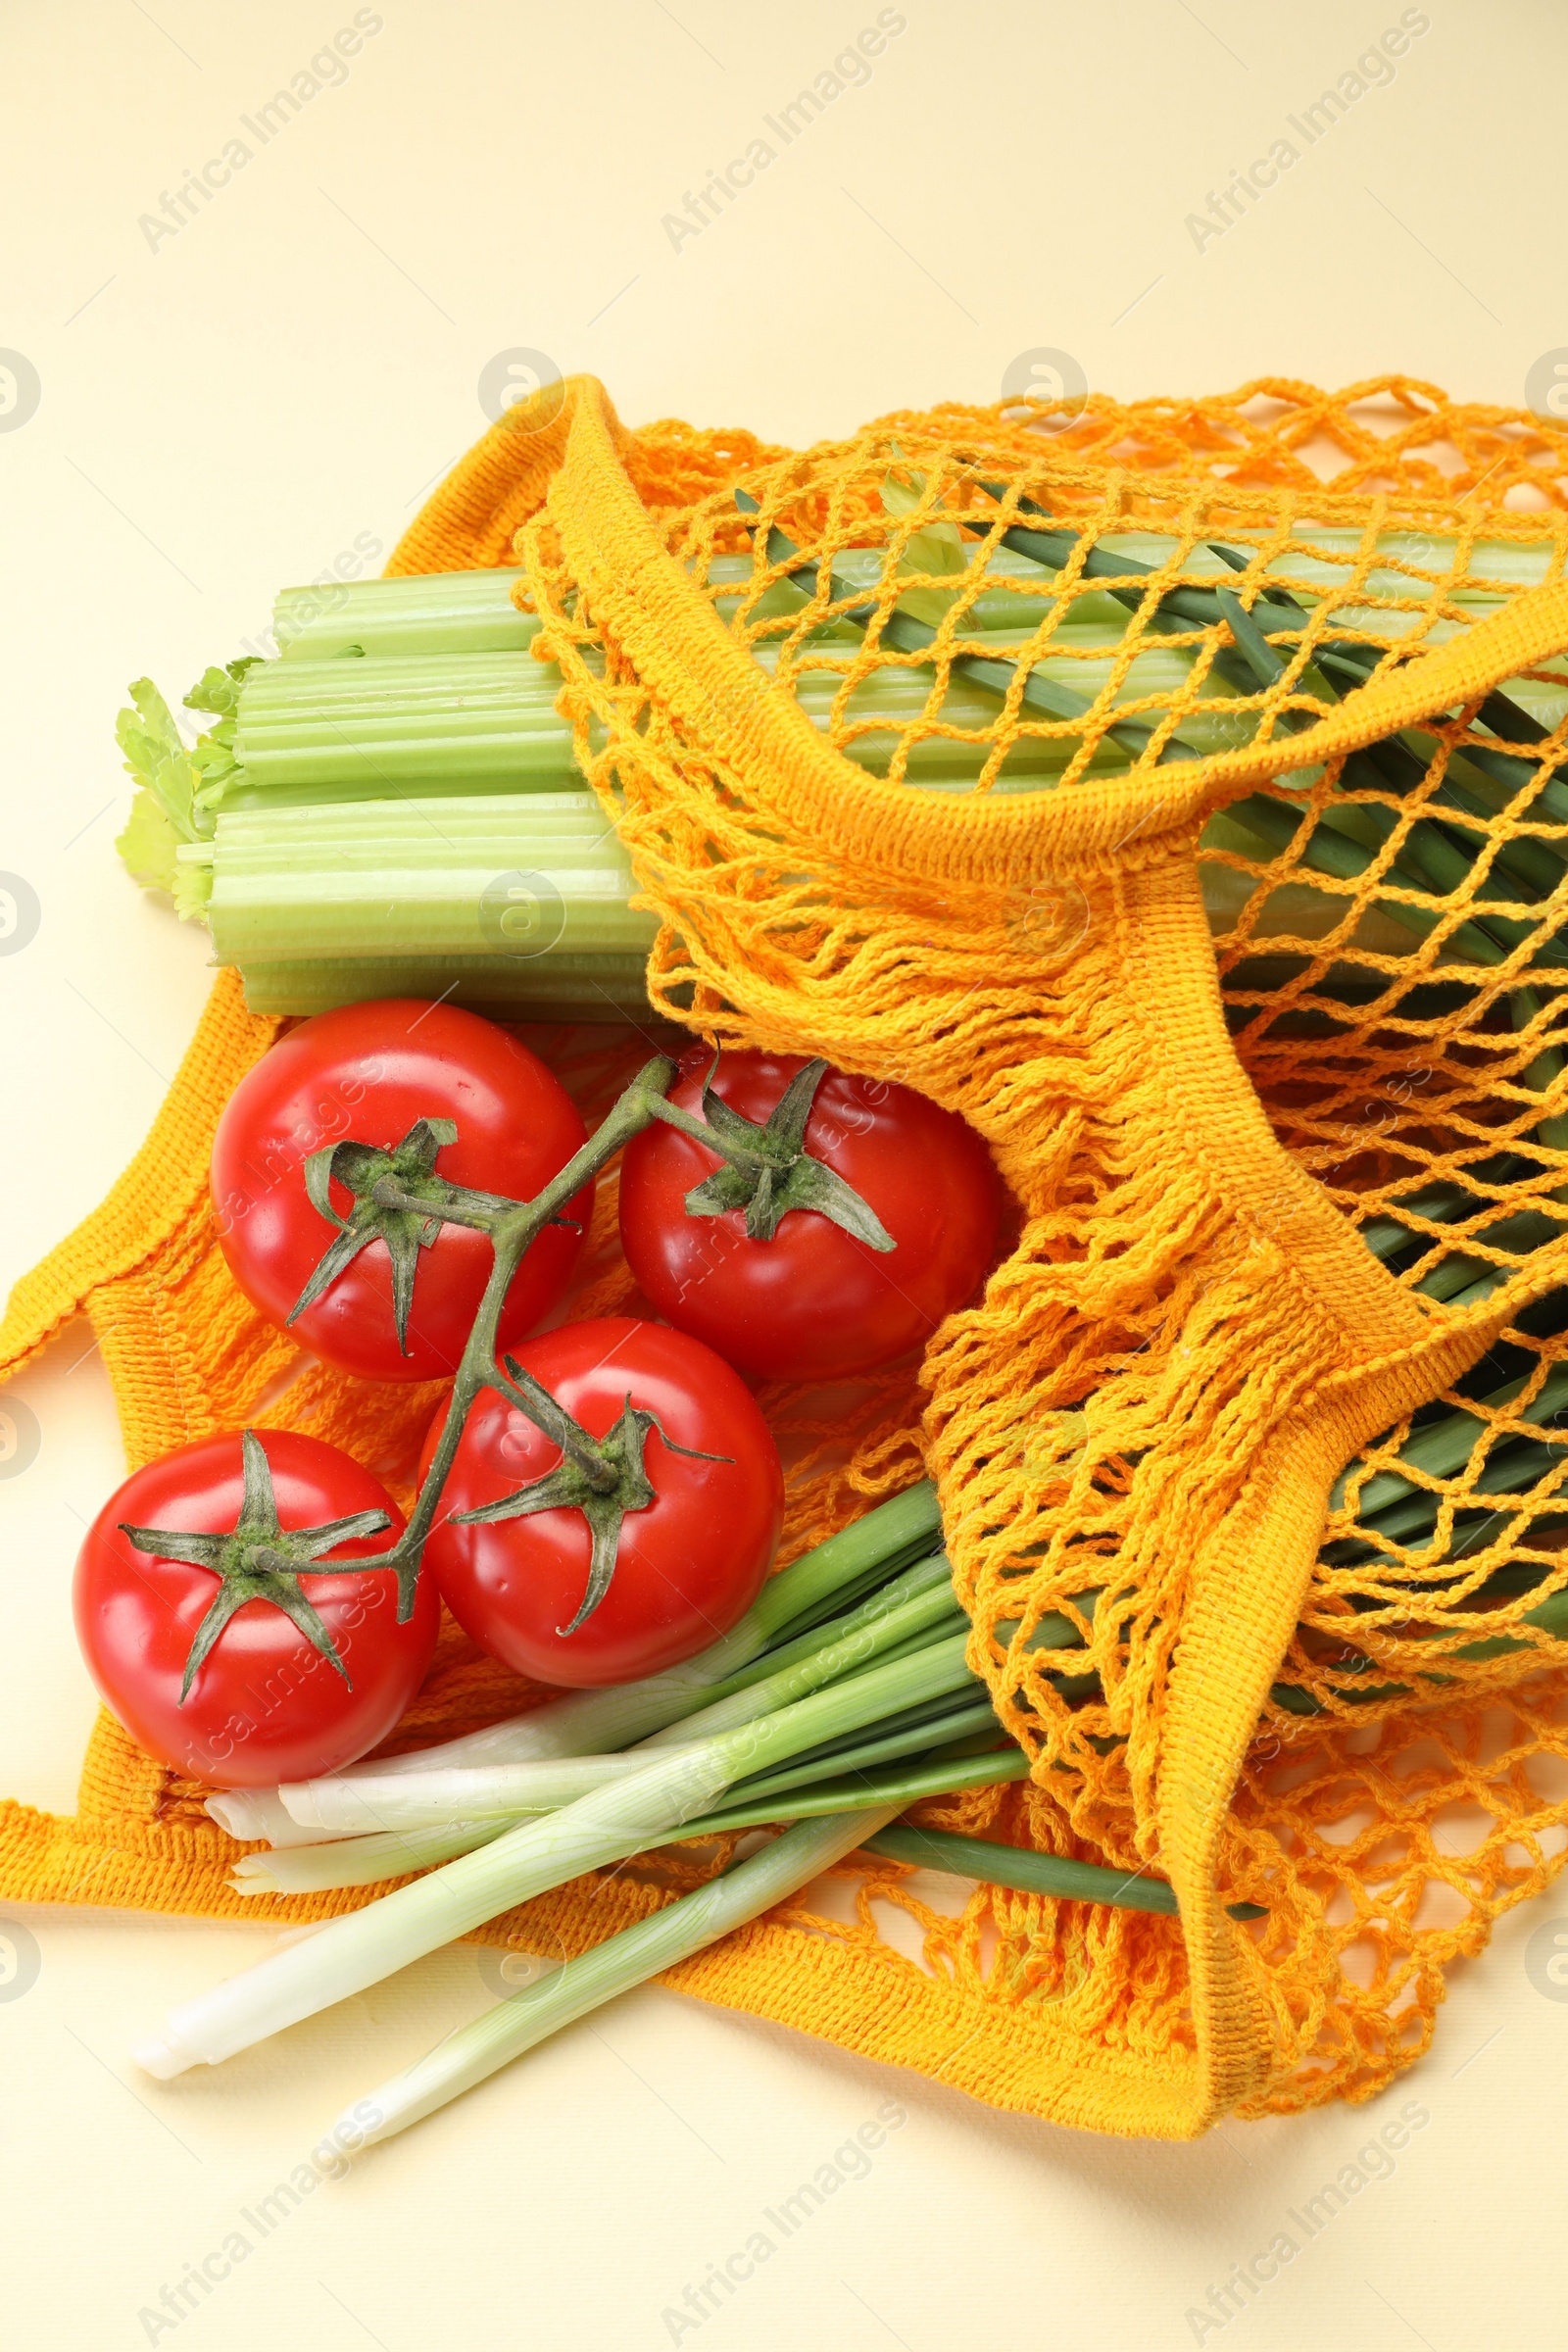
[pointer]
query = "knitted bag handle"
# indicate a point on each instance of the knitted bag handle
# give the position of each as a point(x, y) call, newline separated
point(644, 601)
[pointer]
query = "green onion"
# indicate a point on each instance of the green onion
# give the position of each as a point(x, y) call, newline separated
point(696, 1921)
point(1031, 1873)
point(358, 1861)
point(503, 1792)
point(846, 1649)
point(908, 1785)
point(352, 1952)
point(882, 1543)
point(387, 1855)
point(451, 1793)
point(1442, 1448)
point(902, 1585)
point(902, 1614)
point(612, 1967)
point(847, 1644)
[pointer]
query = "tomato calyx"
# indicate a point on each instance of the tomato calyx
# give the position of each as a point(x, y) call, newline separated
point(767, 1170)
point(256, 1559)
point(604, 1478)
point(399, 1200)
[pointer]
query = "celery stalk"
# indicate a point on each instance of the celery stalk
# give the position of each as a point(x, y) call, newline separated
point(383, 726)
point(596, 989)
point(474, 878)
point(423, 612)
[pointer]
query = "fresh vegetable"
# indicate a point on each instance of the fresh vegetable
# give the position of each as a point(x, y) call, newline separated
point(562, 1994)
point(911, 1703)
point(372, 808)
point(169, 810)
point(312, 1868)
point(624, 1523)
point(866, 1677)
point(674, 1786)
point(363, 1121)
point(1056, 1875)
point(515, 2025)
point(465, 1792)
point(371, 1859)
point(855, 1215)
point(909, 1608)
point(870, 1551)
point(215, 1620)
point(516, 903)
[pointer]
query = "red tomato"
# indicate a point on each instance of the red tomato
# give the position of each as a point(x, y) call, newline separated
point(368, 1072)
point(813, 1303)
point(688, 1565)
point(265, 1705)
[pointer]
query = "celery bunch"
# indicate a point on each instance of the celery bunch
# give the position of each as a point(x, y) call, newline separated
point(393, 804)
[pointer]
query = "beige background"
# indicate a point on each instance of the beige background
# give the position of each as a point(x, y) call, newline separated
point(225, 412)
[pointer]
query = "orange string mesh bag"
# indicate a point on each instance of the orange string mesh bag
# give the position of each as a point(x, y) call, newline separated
point(1137, 1435)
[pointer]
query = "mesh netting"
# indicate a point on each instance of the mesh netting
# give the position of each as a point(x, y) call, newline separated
point(964, 608)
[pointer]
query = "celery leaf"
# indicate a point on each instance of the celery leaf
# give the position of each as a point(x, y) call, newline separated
point(217, 691)
point(164, 810)
point(148, 844)
point(193, 885)
point(217, 764)
point(157, 759)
